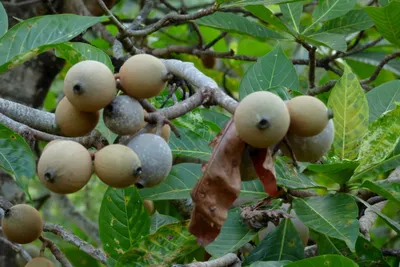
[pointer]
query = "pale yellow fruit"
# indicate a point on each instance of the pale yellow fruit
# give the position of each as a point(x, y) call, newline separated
point(40, 262)
point(143, 76)
point(65, 167)
point(89, 85)
point(261, 119)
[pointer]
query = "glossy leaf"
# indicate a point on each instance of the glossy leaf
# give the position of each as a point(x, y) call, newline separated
point(181, 179)
point(272, 70)
point(381, 139)
point(3, 20)
point(390, 191)
point(325, 260)
point(331, 40)
point(234, 234)
point(16, 157)
point(159, 220)
point(190, 144)
point(218, 118)
point(292, 13)
point(381, 167)
point(166, 246)
point(269, 263)
point(233, 23)
point(283, 243)
point(333, 215)
point(338, 172)
point(382, 99)
point(327, 10)
point(123, 220)
point(350, 108)
point(287, 176)
point(76, 52)
point(268, 16)
point(374, 58)
point(239, 3)
point(35, 35)
point(387, 21)
point(354, 21)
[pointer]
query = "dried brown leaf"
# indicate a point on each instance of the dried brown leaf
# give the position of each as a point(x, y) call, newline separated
point(265, 168)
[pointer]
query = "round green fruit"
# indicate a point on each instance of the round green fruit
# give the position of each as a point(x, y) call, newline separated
point(261, 119)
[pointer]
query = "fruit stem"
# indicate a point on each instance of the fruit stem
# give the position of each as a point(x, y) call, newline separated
point(50, 175)
point(78, 89)
point(263, 124)
point(136, 172)
point(330, 114)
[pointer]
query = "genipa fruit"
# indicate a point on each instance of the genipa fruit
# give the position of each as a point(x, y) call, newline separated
point(22, 224)
point(143, 76)
point(50, 143)
point(149, 205)
point(89, 85)
point(124, 115)
point(65, 167)
point(308, 116)
point(40, 262)
point(73, 122)
point(156, 158)
point(313, 148)
point(32, 250)
point(261, 119)
point(117, 166)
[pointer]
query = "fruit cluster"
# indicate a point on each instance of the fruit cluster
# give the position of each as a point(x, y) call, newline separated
point(89, 86)
point(263, 119)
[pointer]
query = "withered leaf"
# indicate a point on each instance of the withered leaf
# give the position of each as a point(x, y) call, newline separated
point(219, 186)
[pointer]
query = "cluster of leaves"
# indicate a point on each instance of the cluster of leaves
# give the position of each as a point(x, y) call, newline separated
point(366, 145)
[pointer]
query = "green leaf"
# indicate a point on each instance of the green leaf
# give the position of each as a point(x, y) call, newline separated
point(272, 70)
point(269, 263)
point(292, 13)
point(107, 133)
point(333, 215)
point(79, 258)
point(252, 190)
point(233, 23)
point(374, 170)
point(387, 21)
point(215, 117)
point(330, 9)
point(268, 16)
point(35, 35)
point(354, 21)
point(331, 40)
point(16, 157)
point(350, 108)
point(390, 191)
point(159, 220)
point(382, 99)
point(325, 260)
point(374, 58)
point(190, 144)
point(181, 179)
point(383, 135)
point(239, 3)
point(76, 52)
point(283, 243)
point(287, 176)
point(393, 224)
point(3, 20)
point(234, 234)
point(338, 172)
point(169, 244)
point(123, 220)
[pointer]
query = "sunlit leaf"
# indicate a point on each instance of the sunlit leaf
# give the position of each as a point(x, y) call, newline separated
point(159, 220)
point(292, 13)
point(390, 191)
point(331, 40)
point(381, 167)
point(3, 20)
point(350, 108)
point(287, 176)
point(382, 98)
point(268, 16)
point(338, 172)
point(354, 21)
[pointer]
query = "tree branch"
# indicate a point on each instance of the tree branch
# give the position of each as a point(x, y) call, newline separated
point(229, 260)
point(312, 65)
point(369, 218)
point(391, 252)
point(56, 252)
point(380, 66)
point(17, 248)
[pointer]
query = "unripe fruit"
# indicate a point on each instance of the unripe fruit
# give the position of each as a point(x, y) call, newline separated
point(22, 224)
point(149, 205)
point(124, 115)
point(261, 119)
point(308, 116)
point(89, 85)
point(73, 122)
point(65, 167)
point(208, 61)
point(40, 262)
point(117, 166)
point(32, 250)
point(156, 158)
point(247, 170)
point(310, 149)
point(143, 76)
point(51, 143)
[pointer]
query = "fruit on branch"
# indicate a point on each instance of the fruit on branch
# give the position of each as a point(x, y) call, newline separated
point(149, 205)
point(22, 224)
point(117, 166)
point(310, 149)
point(40, 262)
point(247, 170)
point(73, 122)
point(261, 119)
point(165, 130)
point(32, 250)
point(89, 85)
point(308, 115)
point(156, 158)
point(143, 76)
point(124, 115)
point(65, 167)
point(208, 61)
point(50, 143)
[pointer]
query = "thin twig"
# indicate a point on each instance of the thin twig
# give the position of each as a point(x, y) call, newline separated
point(391, 252)
point(114, 20)
point(143, 14)
point(380, 66)
point(17, 248)
point(56, 252)
point(311, 71)
point(213, 42)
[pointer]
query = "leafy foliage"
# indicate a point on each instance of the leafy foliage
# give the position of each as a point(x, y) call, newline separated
point(3, 20)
